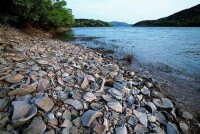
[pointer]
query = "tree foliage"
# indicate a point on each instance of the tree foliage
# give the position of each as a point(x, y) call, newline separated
point(42, 13)
point(90, 23)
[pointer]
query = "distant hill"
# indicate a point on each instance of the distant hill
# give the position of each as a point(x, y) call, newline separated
point(90, 23)
point(116, 23)
point(185, 18)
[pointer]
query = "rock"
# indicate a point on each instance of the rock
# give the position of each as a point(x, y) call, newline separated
point(186, 115)
point(37, 126)
point(66, 115)
point(142, 117)
point(43, 62)
point(14, 79)
point(22, 113)
point(131, 102)
point(151, 118)
point(45, 103)
point(133, 121)
point(171, 128)
point(4, 91)
point(23, 90)
point(74, 130)
point(89, 97)
point(106, 97)
point(35, 68)
point(77, 122)
point(75, 103)
point(140, 129)
point(106, 124)
point(3, 103)
point(157, 129)
point(116, 93)
point(145, 91)
point(160, 117)
point(3, 122)
point(115, 105)
point(64, 60)
point(67, 124)
point(121, 130)
point(42, 84)
point(85, 83)
point(184, 127)
point(163, 103)
point(89, 116)
point(151, 107)
point(97, 106)
point(121, 87)
point(50, 132)
point(99, 129)
point(27, 98)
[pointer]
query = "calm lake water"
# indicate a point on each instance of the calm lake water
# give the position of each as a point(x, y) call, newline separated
point(174, 47)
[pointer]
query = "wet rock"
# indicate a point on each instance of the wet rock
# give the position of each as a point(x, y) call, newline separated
point(42, 84)
point(99, 129)
point(160, 117)
point(163, 103)
point(3, 103)
point(22, 113)
point(37, 126)
point(75, 103)
point(89, 116)
point(121, 130)
point(44, 103)
point(115, 105)
point(186, 115)
point(142, 117)
point(184, 127)
point(171, 128)
point(14, 79)
point(89, 97)
point(145, 91)
point(23, 90)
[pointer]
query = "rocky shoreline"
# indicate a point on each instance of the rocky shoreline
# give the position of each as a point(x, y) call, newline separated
point(49, 86)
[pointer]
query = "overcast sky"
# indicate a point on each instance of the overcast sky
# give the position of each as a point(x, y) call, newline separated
point(130, 11)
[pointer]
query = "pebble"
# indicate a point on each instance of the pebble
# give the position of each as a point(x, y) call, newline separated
point(44, 103)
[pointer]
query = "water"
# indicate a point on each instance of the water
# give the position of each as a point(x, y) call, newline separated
point(176, 47)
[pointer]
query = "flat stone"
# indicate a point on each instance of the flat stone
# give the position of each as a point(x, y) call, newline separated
point(121, 87)
point(85, 83)
point(50, 132)
point(66, 115)
point(43, 62)
point(14, 79)
point(4, 91)
point(121, 130)
point(107, 97)
point(89, 97)
point(184, 127)
point(140, 129)
point(89, 116)
point(37, 126)
point(77, 122)
point(116, 93)
point(142, 117)
point(67, 124)
point(23, 90)
point(3, 103)
point(42, 84)
point(133, 121)
point(75, 103)
point(145, 91)
point(115, 105)
point(44, 103)
point(22, 113)
point(186, 115)
point(74, 130)
point(171, 128)
point(35, 68)
point(99, 129)
point(163, 103)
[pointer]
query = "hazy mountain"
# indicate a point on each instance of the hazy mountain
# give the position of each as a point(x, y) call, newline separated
point(187, 17)
point(116, 23)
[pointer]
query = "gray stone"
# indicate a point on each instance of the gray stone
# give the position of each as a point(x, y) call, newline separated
point(45, 103)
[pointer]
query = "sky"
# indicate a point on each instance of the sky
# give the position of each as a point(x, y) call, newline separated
point(130, 11)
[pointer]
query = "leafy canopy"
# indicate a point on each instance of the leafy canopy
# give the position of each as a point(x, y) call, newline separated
point(42, 13)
